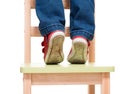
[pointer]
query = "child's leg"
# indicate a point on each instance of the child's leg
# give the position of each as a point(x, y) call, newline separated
point(52, 21)
point(82, 18)
point(51, 15)
point(81, 29)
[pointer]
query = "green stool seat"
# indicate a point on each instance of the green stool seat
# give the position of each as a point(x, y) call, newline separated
point(73, 68)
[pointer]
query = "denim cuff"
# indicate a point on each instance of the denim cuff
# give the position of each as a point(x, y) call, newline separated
point(48, 29)
point(82, 33)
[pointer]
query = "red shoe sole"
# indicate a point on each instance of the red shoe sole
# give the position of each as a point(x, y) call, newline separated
point(78, 54)
point(55, 50)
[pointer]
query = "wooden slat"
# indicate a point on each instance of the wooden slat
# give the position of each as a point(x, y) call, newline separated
point(32, 4)
point(105, 87)
point(92, 51)
point(36, 33)
point(66, 78)
point(66, 4)
point(27, 84)
point(27, 36)
point(91, 89)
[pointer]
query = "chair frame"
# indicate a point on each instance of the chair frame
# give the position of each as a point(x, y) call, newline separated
point(30, 79)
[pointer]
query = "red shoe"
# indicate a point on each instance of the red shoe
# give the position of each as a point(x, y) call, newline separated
point(53, 47)
point(79, 51)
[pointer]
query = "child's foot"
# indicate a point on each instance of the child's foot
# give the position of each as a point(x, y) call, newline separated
point(78, 53)
point(53, 47)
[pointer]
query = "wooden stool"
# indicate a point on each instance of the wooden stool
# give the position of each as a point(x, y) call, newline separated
point(56, 74)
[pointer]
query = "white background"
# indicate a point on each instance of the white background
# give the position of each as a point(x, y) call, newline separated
point(12, 47)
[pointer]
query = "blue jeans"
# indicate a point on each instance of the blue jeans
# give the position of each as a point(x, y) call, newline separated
point(51, 16)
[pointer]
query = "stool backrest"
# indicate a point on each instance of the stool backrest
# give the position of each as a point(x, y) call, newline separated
point(32, 31)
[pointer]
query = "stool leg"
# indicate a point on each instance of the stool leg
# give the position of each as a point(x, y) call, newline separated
point(91, 89)
point(27, 84)
point(105, 87)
